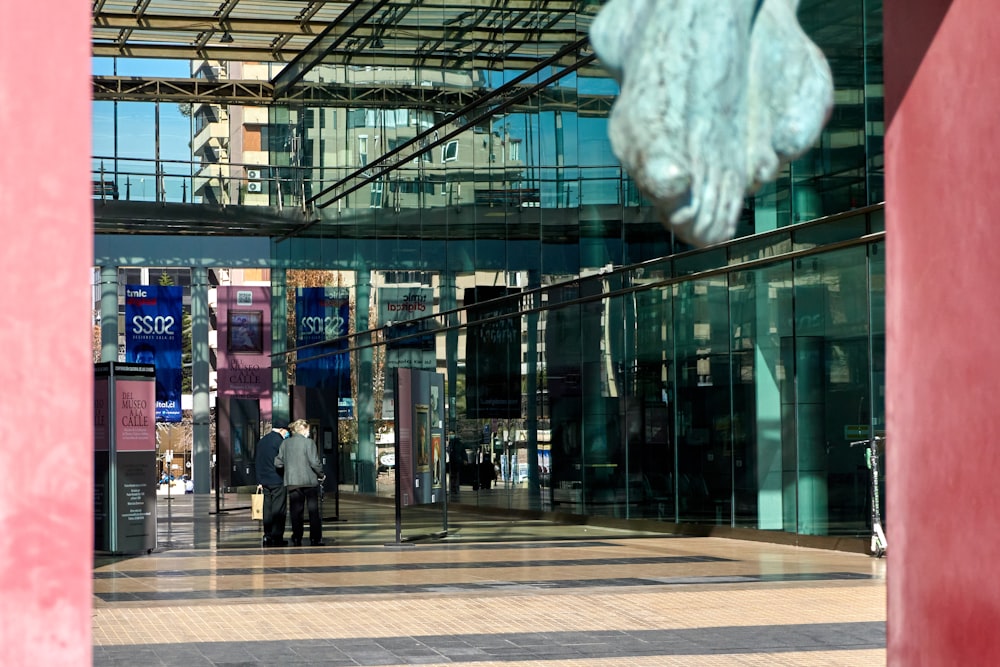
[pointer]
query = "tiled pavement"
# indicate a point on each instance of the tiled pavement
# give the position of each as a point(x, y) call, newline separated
point(492, 592)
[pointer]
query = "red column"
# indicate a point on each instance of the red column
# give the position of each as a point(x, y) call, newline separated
point(943, 238)
point(46, 375)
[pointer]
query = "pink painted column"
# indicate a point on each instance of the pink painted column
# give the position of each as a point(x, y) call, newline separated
point(46, 376)
point(943, 240)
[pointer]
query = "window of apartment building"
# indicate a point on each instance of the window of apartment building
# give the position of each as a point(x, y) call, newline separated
point(396, 142)
point(514, 150)
point(449, 151)
point(416, 186)
point(131, 277)
point(408, 278)
point(252, 138)
point(153, 276)
point(363, 150)
point(201, 121)
point(378, 188)
point(356, 118)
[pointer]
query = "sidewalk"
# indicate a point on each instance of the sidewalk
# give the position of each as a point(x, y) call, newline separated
point(493, 592)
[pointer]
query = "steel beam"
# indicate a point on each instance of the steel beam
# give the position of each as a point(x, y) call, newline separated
point(261, 93)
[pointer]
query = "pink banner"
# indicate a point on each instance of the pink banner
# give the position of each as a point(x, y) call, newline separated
point(244, 343)
point(135, 415)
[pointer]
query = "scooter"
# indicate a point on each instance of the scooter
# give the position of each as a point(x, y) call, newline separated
point(878, 543)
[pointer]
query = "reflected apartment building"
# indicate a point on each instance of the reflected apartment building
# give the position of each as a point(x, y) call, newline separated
point(283, 156)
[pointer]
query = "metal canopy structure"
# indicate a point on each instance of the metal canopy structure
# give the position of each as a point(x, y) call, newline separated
point(320, 45)
point(262, 93)
point(429, 34)
point(260, 30)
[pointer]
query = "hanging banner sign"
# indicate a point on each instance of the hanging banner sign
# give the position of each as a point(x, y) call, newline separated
point(244, 334)
point(492, 355)
point(153, 336)
point(323, 314)
point(409, 340)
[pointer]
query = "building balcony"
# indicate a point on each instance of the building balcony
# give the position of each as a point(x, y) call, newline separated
point(217, 132)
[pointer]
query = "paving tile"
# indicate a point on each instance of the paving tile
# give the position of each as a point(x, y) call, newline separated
point(554, 595)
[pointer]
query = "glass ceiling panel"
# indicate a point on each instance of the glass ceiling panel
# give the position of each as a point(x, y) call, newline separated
point(267, 30)
point(433, 32)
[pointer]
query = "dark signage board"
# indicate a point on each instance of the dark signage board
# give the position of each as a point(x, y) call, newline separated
point(493, 354)
point(124, 457)
point(102, 457)
point(135, 509)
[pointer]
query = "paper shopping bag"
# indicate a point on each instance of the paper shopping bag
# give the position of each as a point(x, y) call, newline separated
point(257, 504)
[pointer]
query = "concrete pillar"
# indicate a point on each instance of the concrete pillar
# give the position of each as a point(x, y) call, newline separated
point(765, 212)
point(47, 374)
point(365, 409)
point(806, 204)
point(942, 356)
point(109, 313)
point(449, 301)
point(201, 416)
point(812, 503)
point(531, 389)
point(767, 441)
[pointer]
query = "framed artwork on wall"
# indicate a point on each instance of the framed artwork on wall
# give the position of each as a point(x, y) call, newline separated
point(245, 330)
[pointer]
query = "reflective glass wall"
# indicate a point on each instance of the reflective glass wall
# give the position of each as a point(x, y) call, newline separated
point(634, 379)
point(721, 387)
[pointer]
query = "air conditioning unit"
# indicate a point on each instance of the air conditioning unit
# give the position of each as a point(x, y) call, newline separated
point(253, 174)
point(255, 186)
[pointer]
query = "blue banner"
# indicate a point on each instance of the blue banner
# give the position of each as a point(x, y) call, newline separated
point(322, 314)
point(153, 336)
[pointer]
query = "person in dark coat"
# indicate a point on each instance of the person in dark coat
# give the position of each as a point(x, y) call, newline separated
point(275, 495)
point(303, 471)
point(456, 459)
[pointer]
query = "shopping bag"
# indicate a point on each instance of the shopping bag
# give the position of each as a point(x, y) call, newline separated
point(257, 504)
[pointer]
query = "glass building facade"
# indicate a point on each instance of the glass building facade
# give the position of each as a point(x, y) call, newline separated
point(593, 364)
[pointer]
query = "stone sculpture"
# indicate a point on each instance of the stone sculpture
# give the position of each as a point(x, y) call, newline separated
point(715, 97)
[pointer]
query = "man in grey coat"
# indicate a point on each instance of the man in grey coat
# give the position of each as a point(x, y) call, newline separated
point(303, 471)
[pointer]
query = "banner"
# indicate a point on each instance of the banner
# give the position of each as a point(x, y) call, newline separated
point(409, 344)
point(153, 336)
point(321, 314)
point(492, 356)
point(135, 430)
point(244, 343)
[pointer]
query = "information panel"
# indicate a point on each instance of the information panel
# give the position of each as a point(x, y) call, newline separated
point(418, 425)
point(125, 457)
